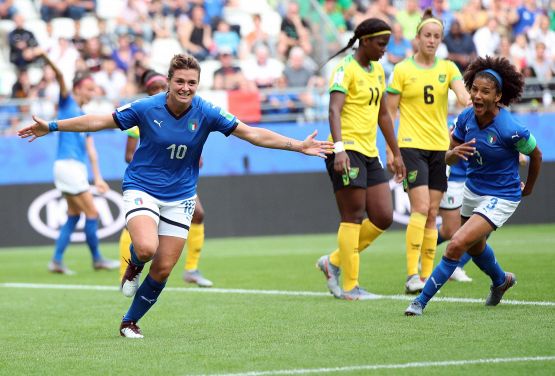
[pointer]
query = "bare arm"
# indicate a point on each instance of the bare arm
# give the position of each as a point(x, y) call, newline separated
point(85, 123)
point(99, 182)
point(533, 171)
point(463, 98)
point(272, 140)
point(130, 148)
point(392, 104)
point(341, 162)
point(457, 151)
point(385, 122)
point(59, 76)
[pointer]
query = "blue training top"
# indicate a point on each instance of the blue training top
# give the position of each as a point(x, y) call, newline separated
point(71, 145)
point(493, 169)
point(166, 163)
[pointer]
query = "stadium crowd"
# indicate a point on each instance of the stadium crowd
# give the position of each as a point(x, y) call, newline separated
point(270, 48)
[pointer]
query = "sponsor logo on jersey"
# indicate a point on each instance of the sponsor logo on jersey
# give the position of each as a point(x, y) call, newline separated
point(48, 213)
point(442, 78)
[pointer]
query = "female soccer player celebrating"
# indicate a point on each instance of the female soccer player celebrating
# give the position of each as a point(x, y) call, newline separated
point(356, 107)
point(490, 139)
point(419, 88)
point(159, 186)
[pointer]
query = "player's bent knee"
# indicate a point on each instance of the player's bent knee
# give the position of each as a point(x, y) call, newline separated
point(456, 248)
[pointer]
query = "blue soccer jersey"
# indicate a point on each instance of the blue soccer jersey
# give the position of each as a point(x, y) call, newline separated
point(71, 145)
point(493, 169)
point(166, 164)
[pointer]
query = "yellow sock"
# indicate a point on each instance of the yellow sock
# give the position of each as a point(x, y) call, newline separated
point(347, 237)
point(413, 241)
point(124, 254)
point(368, 233)
point(429, 246)
point(195, 242)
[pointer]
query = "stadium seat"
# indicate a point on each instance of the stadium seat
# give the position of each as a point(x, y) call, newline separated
point(271, 23)
point(207, 68)
point(63, 27)
point(38, 28)
point(162, 51)
point(27, 8)
point(89, 27)
point(7, 79)
point(109, 9)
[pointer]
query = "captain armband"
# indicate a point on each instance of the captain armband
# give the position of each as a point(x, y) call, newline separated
point(526, 146)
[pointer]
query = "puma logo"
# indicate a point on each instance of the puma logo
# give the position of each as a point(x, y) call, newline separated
point(434, 282)
point(158, 123)
point(149, 301)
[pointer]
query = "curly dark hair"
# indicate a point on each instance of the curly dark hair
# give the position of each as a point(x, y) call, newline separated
point(513, 81)
point(368, 26)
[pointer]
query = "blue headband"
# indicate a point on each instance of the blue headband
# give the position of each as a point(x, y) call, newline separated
point(495, 75)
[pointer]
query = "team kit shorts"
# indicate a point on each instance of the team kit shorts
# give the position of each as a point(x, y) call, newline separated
point(453, 197)
point(493, 209)
point(364, 172)
point(173, 218)
point(71, 176)
point(424, 167)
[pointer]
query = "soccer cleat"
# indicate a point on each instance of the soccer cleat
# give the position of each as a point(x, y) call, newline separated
point(459, 275)
point(496, 293)
point(358, 293)
point(105, 264)
point(129, 329)
point(194, 276)
point(131, 277)
point(414, 309)
point(414, 284)
point(332, 275)
point(58, 267)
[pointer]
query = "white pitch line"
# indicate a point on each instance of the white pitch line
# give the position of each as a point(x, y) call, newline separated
point(47, 286)
point(373, 367)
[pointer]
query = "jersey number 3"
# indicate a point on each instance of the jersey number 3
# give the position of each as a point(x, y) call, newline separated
point(177, 151)
point(428, 96)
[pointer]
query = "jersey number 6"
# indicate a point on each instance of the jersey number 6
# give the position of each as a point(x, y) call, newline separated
point(428, 96)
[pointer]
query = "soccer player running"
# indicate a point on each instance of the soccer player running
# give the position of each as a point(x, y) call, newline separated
point(490, 139)
point(356, 108)
point(419, 89)
point(154, 83)
point(159, 186)
point(70, 173)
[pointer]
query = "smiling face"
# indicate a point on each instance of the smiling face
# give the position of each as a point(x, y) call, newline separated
point(183, 86)
point(484, 95)
point(429, 38)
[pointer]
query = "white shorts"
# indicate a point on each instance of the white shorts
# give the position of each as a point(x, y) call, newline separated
point(453, 198)
point(173, 218)
point(71, 176)
point(494, 209)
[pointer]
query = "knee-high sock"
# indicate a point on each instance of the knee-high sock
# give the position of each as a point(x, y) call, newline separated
point(195, 242)
point(465, 258)
point(91, 225)
point(429, 245)
point(347, 238)
point(487, 262)
point(124, 254)
point(63, 239)
point(439, 276)
point(368, 233)
point(413, 241)
point(144, 299)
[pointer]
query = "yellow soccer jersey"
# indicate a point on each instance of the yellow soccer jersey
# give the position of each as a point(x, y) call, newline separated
point(423, 104)
point(363, 92)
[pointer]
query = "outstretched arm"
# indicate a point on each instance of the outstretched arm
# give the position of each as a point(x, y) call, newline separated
point(85, 123)
point(272, 140)
point(463, 98)
point(59, 76)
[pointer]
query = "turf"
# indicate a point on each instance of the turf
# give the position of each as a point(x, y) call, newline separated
point(192, 331)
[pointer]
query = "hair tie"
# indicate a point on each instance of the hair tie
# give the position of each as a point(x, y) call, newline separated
point(427, 21)
point(383, 32)
point(155, 78)
point(495, 75)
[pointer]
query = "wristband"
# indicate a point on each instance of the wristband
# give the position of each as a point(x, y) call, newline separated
point(338, 147)
point(53, 126)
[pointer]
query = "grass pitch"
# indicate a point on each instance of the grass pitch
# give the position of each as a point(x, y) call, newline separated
point(57, 325)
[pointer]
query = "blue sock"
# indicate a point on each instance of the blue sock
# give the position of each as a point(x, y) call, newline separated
point(134, 259)
point(465, 258)
point(488, 264)
point(439, 276)
point(91, 225)
point(64, 237)
point(146, 296)
point(439, 237)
